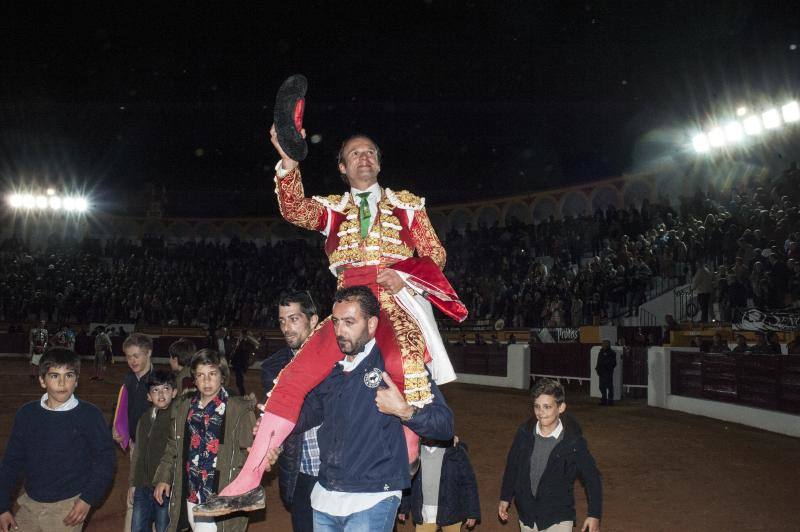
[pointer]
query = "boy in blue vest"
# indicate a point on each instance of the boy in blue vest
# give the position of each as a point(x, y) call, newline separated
point(62, 448)
point(548, 453)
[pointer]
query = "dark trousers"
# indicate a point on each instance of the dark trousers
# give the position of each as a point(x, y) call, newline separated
point(607, 390)
point(302, 515)
point(704, 300)
point(240, 380)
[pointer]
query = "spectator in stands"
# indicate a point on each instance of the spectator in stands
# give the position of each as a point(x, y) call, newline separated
point(761, 347)
point(479, 338)
point(718, 344)
point(774, 343)
point(180, 356)
point(793, 347)
point(702, 284)
point(741, 345)
point(61, 447)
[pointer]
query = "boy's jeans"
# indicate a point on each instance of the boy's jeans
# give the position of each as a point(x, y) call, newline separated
point(379, 518)
point(147, 511)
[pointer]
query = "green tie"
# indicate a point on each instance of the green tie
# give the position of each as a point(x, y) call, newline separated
point(363, 213)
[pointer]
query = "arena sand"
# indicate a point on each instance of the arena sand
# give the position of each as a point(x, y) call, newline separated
point(661, 470)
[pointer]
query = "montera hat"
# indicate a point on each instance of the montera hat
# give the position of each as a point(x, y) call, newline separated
point(289, 106)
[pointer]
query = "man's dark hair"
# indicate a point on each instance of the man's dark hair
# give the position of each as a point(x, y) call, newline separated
point(59, 357)
point(340, 157)
point(548, 387)
point(182, 349)
point(142, 341)
point(211, 357)
point(361, 294)
point(160, 377)
point(302, 298)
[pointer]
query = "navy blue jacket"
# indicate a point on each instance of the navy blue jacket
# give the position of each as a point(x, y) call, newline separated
point(555, 501)
point(289, 459)
point(458, 490)
point(361, 449)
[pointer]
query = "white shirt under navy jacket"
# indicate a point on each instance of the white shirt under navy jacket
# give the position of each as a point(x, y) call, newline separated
point(363, 452)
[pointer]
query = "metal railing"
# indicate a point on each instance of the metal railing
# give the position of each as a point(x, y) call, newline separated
point(647, 318)
point(657, 286)
point(684, 306)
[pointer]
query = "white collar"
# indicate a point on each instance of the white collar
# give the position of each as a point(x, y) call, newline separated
point(555, 434)
point(374, 193)
point(350, 366)
point(69, 404)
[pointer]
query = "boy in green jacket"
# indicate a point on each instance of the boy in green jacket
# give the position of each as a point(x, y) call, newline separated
point(207, 446)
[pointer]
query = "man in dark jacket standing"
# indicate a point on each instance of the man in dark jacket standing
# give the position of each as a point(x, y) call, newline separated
point(548, 453)
point(298, 465)
point(606, 362)
point(364, 460)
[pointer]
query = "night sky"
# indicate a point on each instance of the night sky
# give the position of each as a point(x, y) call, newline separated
point(466, 99)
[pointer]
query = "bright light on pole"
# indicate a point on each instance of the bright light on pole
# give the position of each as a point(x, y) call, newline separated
point(48, 200)
point(771, 119)
point(752, 125)
point(716, 137)
point(791, 112)
point(700, 143)
point(733, 132)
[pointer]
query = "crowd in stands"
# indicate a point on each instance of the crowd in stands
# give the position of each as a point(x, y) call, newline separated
point(737, 248)
point(192, 284)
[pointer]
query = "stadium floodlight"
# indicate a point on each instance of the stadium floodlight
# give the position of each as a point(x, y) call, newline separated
point(716, 137)
point(733, 132)
point(68, 203)
point(752, 125)
point(55, 203)
point(741, 111)
point(700, 143)
point(771, 119)
point(791, 112)
point(81, 205)
point(28, 201)
point(41, 202)
point(15, 200)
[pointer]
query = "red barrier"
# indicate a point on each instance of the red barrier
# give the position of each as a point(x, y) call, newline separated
point(567, 360)
point(489, 359)
point(765, 381)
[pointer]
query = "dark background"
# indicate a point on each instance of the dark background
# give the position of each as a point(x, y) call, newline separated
point(467, 99)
